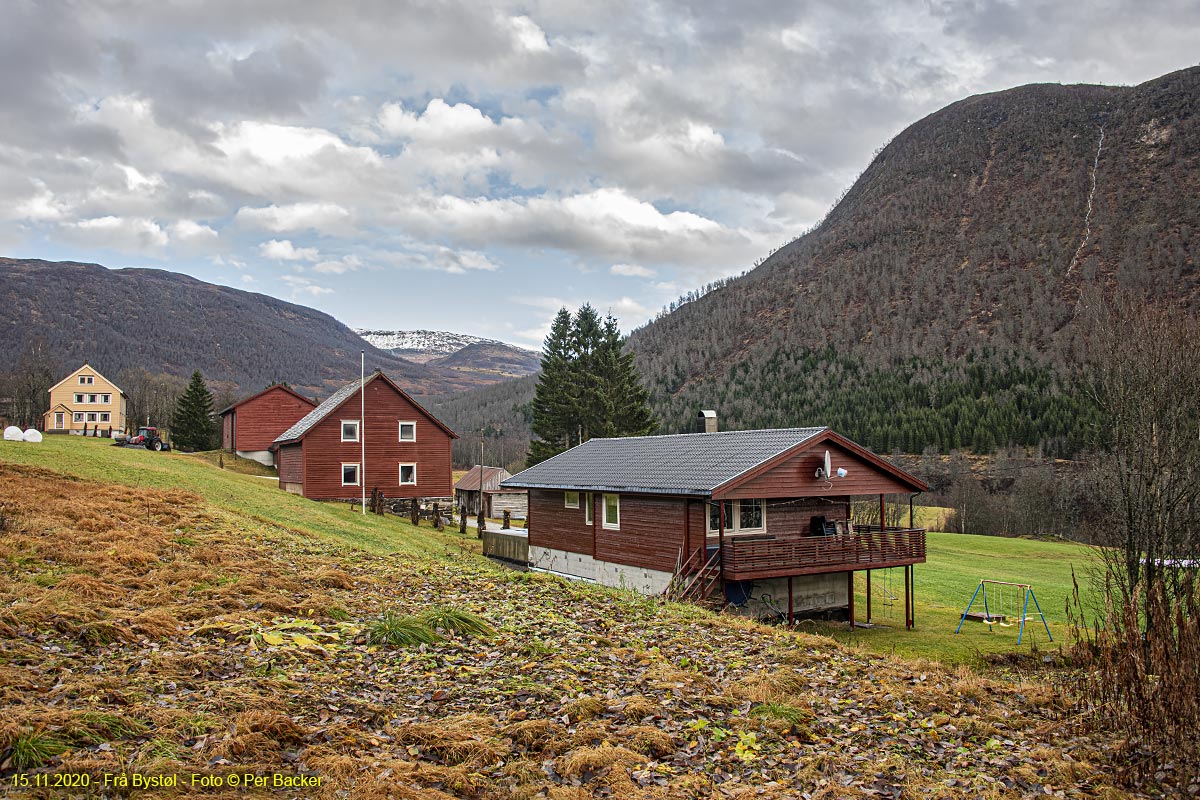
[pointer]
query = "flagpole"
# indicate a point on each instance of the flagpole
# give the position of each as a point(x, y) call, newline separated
point(362, 424)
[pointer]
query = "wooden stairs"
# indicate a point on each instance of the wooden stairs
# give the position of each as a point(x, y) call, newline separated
point(696, 578)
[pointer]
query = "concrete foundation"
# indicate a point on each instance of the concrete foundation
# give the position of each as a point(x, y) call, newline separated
point(769, 597)
point(578, 565)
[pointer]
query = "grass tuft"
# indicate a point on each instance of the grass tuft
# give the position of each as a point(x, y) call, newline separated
point(31, 749)
point(453, 620)
point(400, 630)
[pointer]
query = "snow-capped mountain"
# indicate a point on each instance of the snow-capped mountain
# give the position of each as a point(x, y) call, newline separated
point(457, 351)
point(429, 344)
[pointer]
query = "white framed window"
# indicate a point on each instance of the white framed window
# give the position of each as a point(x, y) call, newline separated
point(587, 508)
point(106, 398)
point(350, 474)
point(570, 499)
point(78, 398)
point(60, 419)
point(105, 416)
point(91, 417)
point(86, 380)
point(408, 431)
point(77, 416)
point(92, 398)
point(612, 512)
point(408, 474)
point(349, 430)
point(741, 516)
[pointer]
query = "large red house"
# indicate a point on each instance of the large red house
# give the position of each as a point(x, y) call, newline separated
point(250, 426)
point(407, 448)
point(764, 515)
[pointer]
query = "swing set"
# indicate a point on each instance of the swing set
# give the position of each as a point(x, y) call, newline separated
point(999, 595)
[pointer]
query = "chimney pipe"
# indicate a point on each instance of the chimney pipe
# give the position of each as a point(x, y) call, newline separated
point(710, 420)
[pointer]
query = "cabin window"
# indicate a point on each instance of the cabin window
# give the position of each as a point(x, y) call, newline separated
point(349, 474)
point(741, 516)
point(408, 431)
point(587, 508)
point(92, 398)
point(106, 398)
point(86, 380)
point(91, 417)
point(571, 499)
point(612, 511)
point(78, 398)
point(77, 417)
point(104, 416)
point(350, 430)
point(408, 474)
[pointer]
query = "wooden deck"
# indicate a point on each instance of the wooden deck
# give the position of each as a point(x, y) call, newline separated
point(754, 557)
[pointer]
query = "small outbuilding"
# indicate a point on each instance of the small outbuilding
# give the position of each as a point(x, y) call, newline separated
point(407, 448)
point(250, 426)
point(484, 482)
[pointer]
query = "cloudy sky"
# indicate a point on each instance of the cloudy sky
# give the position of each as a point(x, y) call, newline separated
point(472, 167)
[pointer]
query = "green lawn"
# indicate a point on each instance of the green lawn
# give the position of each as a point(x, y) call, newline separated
point(251, 498)
point(943, 586)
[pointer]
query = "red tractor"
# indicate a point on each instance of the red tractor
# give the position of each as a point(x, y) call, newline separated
point(149, 439)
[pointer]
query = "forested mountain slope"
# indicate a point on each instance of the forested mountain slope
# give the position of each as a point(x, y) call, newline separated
point(167, 322)
point(939, 301)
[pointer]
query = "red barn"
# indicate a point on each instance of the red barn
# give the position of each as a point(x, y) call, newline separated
point(407, 448)
point(250, 426)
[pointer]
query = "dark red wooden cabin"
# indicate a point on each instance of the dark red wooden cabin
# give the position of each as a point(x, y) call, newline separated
point(748, 511)
point(407, 448)
point(250, 426)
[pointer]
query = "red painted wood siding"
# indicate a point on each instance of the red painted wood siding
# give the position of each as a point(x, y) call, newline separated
point(260, 421)
point(291, 464)
point(793, 477)
point(651, 533)
point(553, 525)
point(324, 452)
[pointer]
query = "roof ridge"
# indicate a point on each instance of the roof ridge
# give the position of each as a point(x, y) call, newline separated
point(706, 433)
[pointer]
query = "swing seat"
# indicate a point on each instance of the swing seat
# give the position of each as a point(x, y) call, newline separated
point(979, 616)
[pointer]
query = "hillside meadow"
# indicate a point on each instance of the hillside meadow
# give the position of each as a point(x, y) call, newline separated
point(161, 616)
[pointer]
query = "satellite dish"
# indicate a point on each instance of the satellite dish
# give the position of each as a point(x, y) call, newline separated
point(824, 472)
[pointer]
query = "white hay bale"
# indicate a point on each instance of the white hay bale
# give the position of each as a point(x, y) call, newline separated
point(12, 434)
point(32, 435)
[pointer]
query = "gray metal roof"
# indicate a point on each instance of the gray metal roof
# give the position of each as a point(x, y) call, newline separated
point(684, 463)
point(317, 414)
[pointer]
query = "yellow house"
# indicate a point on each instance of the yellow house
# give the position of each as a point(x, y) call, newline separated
point(85, 399)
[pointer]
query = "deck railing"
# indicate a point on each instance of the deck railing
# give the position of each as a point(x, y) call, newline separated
point(867, 548)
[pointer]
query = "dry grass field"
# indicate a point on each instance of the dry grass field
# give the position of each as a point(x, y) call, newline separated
point(151, 631)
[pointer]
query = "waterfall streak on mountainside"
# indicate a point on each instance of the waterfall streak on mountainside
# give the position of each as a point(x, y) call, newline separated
point(1087, 217)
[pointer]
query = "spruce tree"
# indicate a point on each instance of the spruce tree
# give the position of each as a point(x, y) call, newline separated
point(589, 386)
point(192, 427)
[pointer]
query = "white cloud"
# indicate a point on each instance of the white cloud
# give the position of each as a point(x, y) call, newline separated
point(632, 270)
point(191, 231)
point(322, 217)
point(305, 286)
point(284, 250)
point(338, 266)
point(122, 234)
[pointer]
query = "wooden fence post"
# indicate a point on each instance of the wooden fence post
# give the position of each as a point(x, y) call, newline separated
point(414, 511)
point(462, 519)
point(480, 522)
point(507, 519)
point(437, 516)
